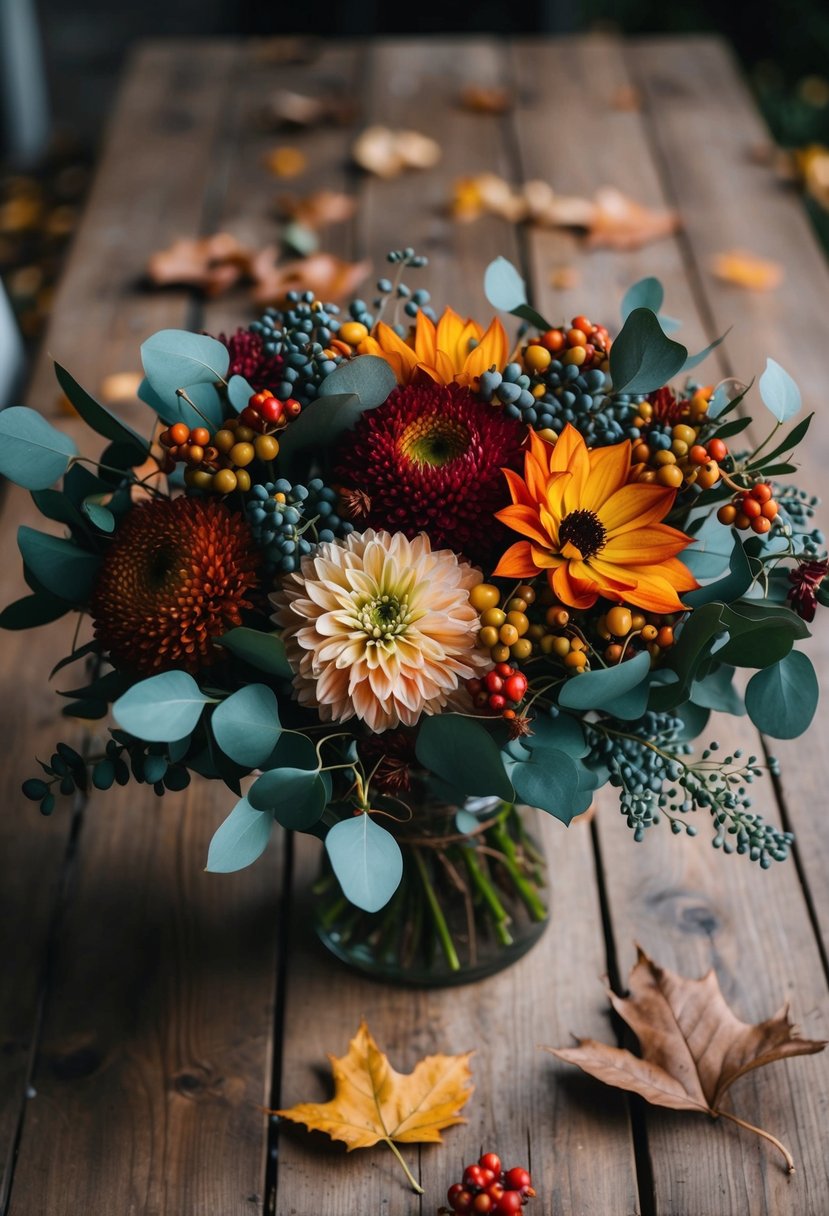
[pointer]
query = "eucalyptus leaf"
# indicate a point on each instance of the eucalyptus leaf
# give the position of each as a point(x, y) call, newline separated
point(694, 360)
point(264, 651)
point(794, 437)
point(176, 358)
point(296, 797)
point(462, 752)
point(710, 555)
point(239, 840)
point(320, 423)
point(781, 700)
point(738, 580)
point(58, 506)
point(100, 516)
point(646, 293)
point(505, 289)
point(564, 733)
point(31, 611)
point(366, 860)
point(97, 416)
point(717, 691)
point(550, 781)
point(246, 725)
point(642, 357)
point(64, 569)
point(162, 709)
point(368, 377)
point(778, 392)
point(33, 453)
point(601, 688)
point(239, 393)
point(693, 644)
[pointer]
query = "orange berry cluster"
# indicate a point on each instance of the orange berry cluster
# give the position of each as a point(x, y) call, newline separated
point(677, 458)
point(218, 463)
point(583, 344)
point(755, 509)
point(620, 625)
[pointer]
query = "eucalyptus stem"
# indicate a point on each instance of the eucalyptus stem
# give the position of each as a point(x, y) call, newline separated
point(437, 915)
point(489, 896)
point(534, 904)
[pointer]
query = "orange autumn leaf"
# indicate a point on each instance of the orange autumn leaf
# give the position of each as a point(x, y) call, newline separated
point(212, 263)
point(373, 1103)
point(387, 153)
point(318, 209)
point(743, 269)
point(619, 222)
point(693, 1048)
point(286, 161)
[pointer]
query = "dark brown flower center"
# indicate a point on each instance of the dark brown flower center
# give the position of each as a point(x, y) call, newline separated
point(584, 530)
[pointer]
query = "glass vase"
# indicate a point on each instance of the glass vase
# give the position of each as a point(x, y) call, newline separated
point(472, 899)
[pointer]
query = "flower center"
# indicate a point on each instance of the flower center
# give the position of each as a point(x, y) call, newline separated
point(434, 441)
point(384, 617)
point(584, 531)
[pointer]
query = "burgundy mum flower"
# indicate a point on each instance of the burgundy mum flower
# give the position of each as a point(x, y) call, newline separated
point(429, 460)
point(806, 580)
point(248, 359)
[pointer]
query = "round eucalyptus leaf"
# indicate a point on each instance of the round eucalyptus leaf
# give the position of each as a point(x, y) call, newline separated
point(33, 453)
point(462, 752)
point(246, 725)
point(162, 709)
point(239, 840)
point(781, 700)
point(366, 860)
point(296, 797)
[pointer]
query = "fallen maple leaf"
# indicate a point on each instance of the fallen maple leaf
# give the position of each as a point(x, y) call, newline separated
point(387, 153)
point(286, 161)
point(212, 263)
point(318, 209)
point(486, 99)
point(743, 269)
point(373, 1103)
point(693, 1047)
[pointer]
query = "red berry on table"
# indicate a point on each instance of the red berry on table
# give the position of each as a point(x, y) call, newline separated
point(463, 1201)
point(472, 1176)
point(495, 1190)
point(487, 1176)
point(481, 1204)
point(454, 1191)
point(517, 1178)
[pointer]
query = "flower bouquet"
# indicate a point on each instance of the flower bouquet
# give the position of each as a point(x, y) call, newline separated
point(393, 579)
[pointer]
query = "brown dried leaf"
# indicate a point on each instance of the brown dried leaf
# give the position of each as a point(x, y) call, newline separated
point(386, 153)
point(741, 268)
point(120, 386)
point(327, 276)
point(319, 209)
point(373, 1103)
point(286, 108)
point(621, 223)
point(813, 166)
point(693, 1047)
point(212, 263)
point(486, 99)
point(627, 97)
point(565, 278)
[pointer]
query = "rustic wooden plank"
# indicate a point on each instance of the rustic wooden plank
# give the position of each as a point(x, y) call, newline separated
point(672, 894)
point(731, 201)
point(156, 1048)
point(517, 1107)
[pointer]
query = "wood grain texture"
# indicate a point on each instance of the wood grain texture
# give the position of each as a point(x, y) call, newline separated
point(731, 201)
point(154, 1062)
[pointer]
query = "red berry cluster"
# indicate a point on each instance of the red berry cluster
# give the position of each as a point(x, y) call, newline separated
point(755, 508)
point(264, 411)
point(500, 690)
point(488, 1189)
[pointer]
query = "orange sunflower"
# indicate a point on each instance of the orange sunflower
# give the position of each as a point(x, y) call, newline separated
point(453, 351)
point(594, 533)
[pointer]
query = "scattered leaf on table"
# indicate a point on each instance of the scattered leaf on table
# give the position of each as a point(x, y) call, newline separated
point(286, 161)
point(486, 99)
point(627, 97)
point(286, 108)
point(318, 209)
point(120, 386)
point(373, 1103)
point(743, 269)
point(329, 277)
point(565, 278)
point(621, 223)
point(212, 263)
point(812, 164)
point(693, 1047)
point(387, 153)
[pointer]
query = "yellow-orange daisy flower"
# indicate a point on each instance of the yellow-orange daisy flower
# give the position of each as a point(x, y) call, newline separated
point(593, 532)
point(453, 351)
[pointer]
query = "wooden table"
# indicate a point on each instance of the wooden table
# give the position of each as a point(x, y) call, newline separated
point(149, 1011)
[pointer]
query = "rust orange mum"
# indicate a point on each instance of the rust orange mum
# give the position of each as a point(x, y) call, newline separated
point(175, 576)
point(453, 351)
point(593, 533)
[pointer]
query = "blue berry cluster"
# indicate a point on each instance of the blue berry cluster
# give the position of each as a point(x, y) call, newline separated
point(289, 527)
point(397, 290)
point(646, 765)
point(797, 510)
point(300, 334)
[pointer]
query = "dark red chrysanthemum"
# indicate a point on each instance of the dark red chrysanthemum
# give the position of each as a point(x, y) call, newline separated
point(806, 579)
point(248, 359)
point(429, 460)
point(175, 576)
point(390, 757)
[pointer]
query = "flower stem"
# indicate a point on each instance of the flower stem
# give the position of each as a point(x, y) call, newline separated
point(437, 915)
point(418, 1189)
point(759, 1131)
point(534, 904)
point(489, 895)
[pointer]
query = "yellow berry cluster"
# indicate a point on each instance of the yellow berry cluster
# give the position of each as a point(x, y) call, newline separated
point(620, 625)
point(225, 465)
point(504, 632)
point(679, 459)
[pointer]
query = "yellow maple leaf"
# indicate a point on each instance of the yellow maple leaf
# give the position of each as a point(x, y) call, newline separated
point(373, 1103)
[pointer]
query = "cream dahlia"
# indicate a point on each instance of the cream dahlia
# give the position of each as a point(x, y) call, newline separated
point(380, 628)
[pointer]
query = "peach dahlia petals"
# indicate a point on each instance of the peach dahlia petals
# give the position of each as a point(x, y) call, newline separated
point(380, 628)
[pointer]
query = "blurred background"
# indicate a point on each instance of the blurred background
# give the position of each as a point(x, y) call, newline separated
point(60, 63)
